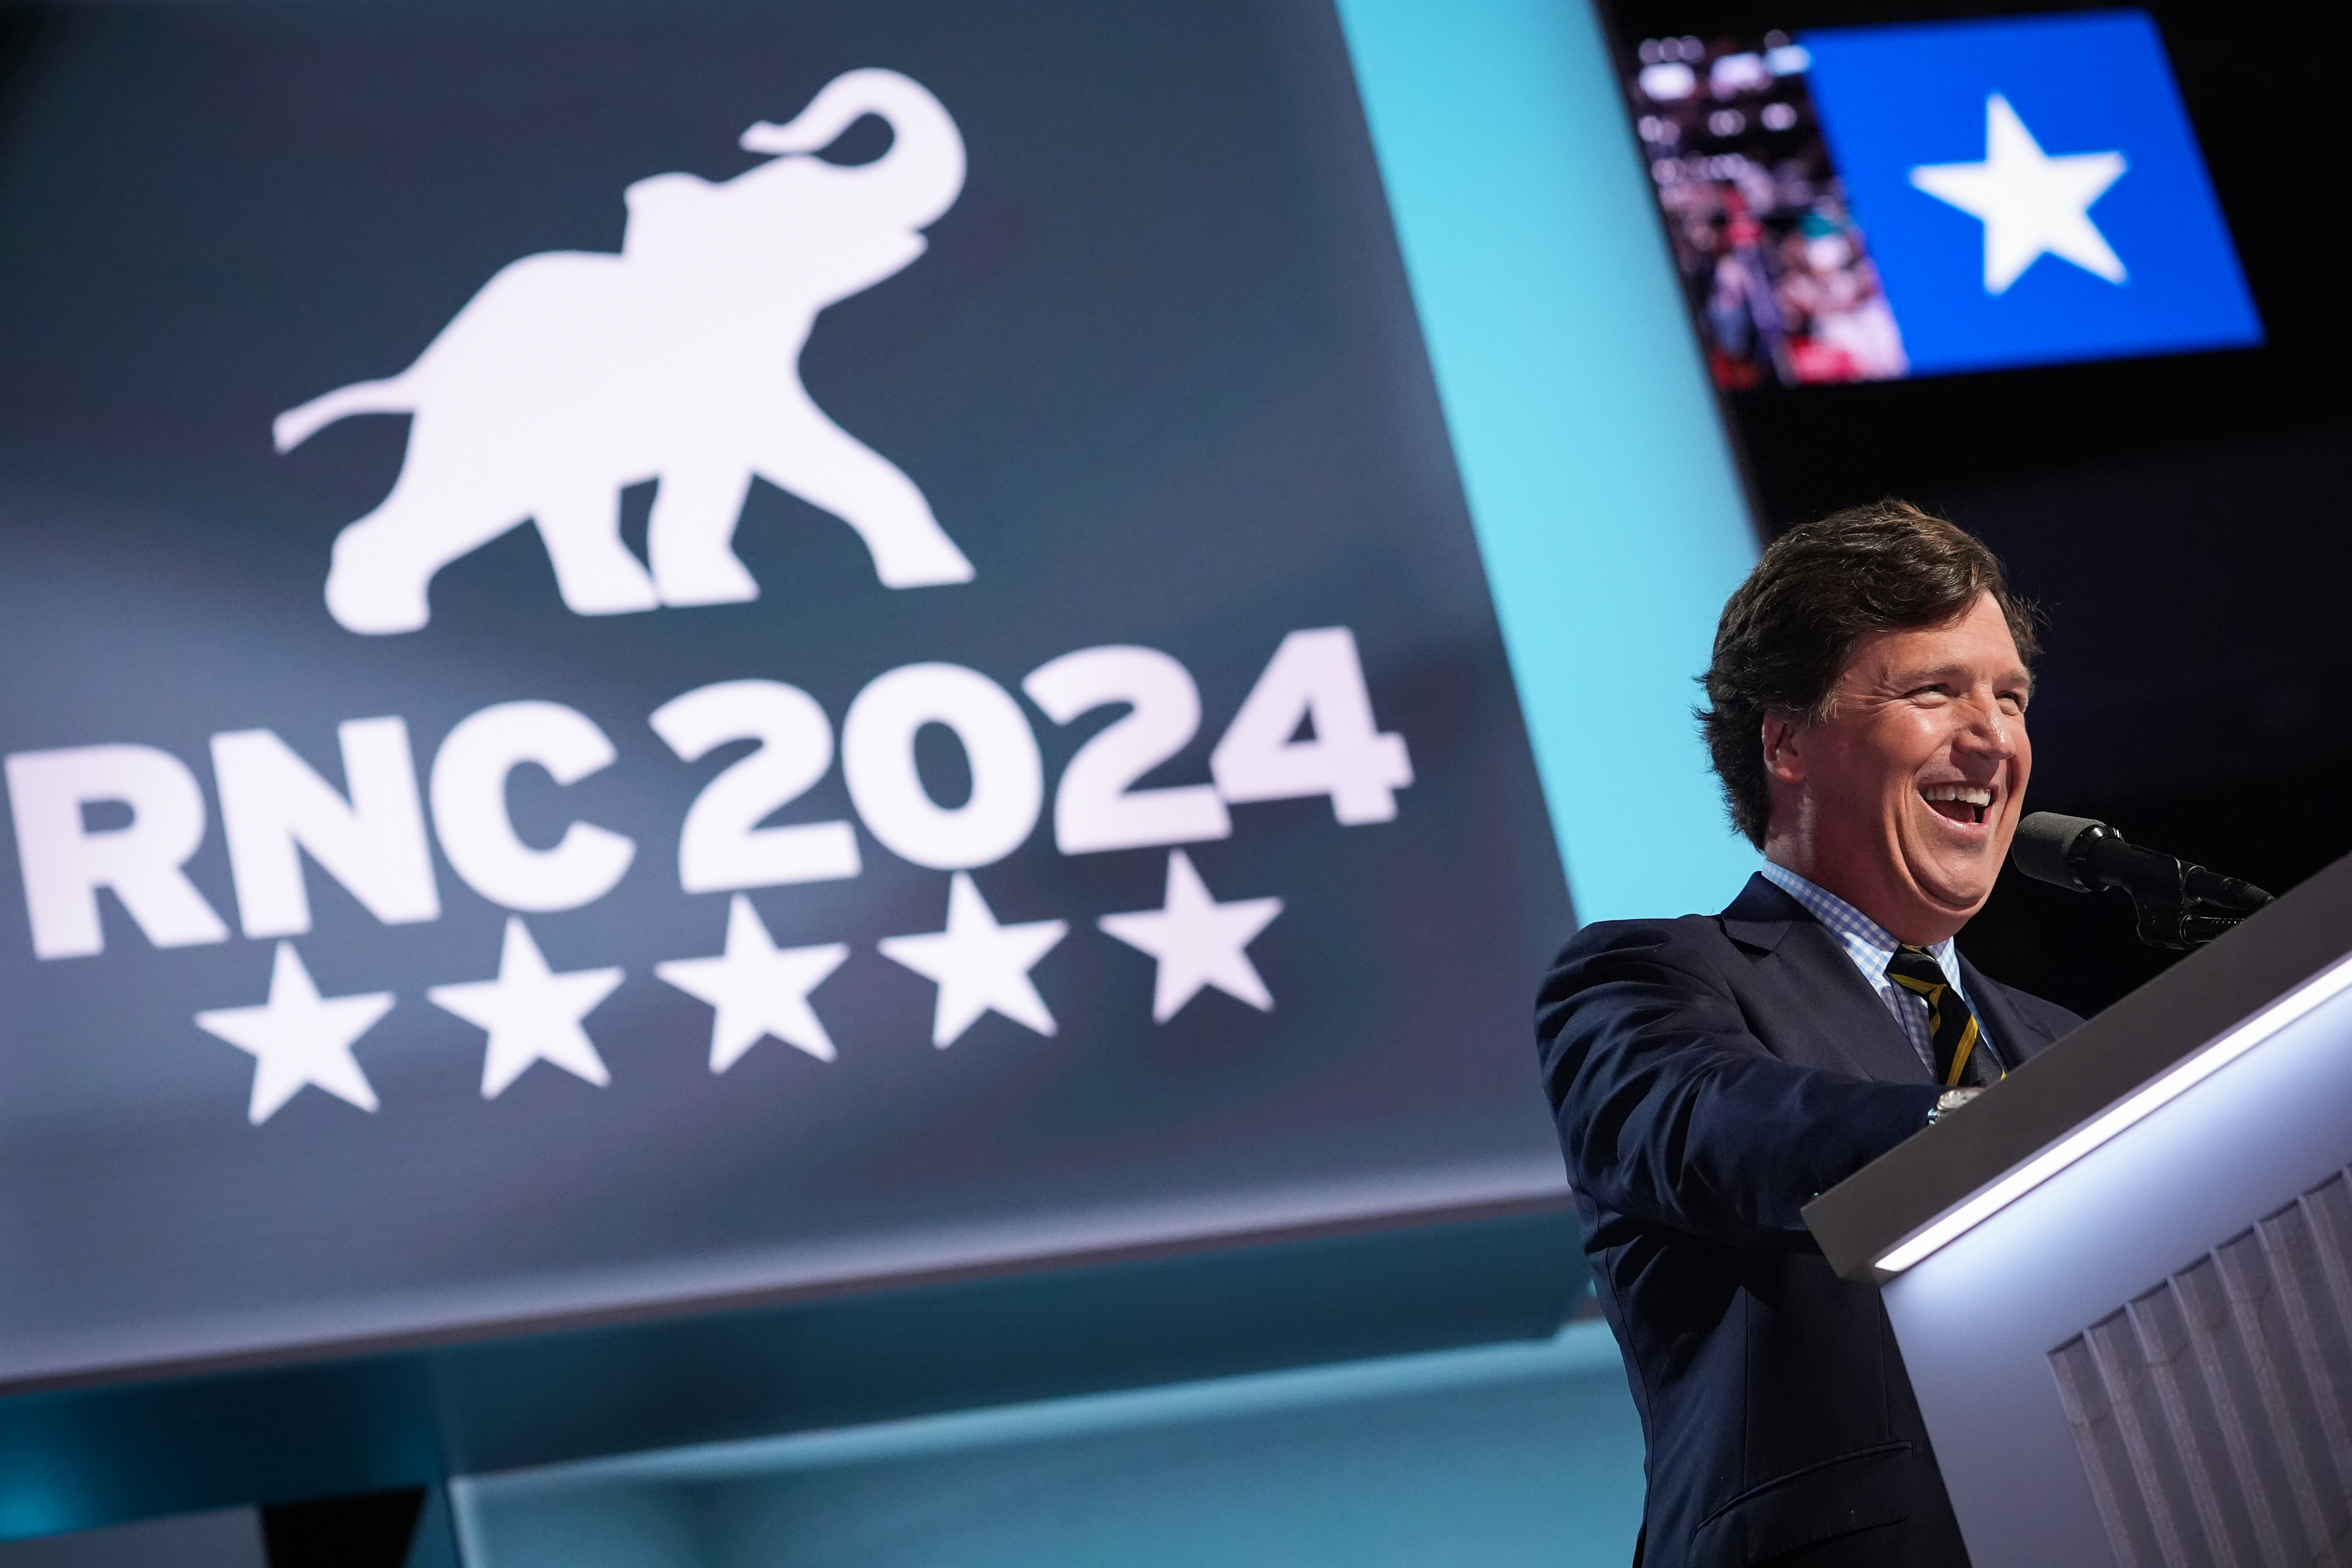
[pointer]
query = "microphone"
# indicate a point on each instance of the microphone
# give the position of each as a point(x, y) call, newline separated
point(2179, 904)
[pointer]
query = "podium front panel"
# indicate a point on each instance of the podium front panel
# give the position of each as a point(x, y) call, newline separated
point(2228, 1201)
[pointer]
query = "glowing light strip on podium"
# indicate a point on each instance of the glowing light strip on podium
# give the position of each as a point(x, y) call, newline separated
point(2142, 1102)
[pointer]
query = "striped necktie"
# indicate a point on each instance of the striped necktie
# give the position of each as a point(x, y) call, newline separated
point(1951, 1025)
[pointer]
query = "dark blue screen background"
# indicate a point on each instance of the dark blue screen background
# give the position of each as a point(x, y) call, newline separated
point(1159, 376)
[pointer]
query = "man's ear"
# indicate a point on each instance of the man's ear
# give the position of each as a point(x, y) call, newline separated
point(1783, 737)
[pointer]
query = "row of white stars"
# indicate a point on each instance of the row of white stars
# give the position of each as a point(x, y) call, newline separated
point(757, 990)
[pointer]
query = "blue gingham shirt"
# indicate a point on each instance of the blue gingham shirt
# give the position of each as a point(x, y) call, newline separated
point(1872, 948)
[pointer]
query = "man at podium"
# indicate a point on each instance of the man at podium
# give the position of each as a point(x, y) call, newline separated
point(1712, 1074)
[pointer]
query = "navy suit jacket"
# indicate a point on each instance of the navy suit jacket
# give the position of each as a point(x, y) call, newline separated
point(1709, 1076)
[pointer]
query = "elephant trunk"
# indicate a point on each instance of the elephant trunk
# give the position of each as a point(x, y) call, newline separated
point(921, 175)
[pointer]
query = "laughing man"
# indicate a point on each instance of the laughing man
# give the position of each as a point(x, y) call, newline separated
point(1712, 1074)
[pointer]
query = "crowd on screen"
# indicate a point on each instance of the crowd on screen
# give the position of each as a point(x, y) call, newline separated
point(1777, 268)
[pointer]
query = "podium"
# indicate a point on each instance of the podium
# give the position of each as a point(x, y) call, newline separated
point(2122, 1277)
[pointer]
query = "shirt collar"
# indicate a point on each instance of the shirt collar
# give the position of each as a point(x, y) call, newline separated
point(1857, 930)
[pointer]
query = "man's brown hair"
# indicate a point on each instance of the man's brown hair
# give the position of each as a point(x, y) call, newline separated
point(1787, 634)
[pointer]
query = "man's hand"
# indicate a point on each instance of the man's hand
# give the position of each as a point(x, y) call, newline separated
point(1951, 1099)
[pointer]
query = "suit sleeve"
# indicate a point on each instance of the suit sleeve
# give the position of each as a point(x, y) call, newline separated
point(1671, 1112)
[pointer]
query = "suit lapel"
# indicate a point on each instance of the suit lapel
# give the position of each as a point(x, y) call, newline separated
point(2014, 1039)
point(1820, 989)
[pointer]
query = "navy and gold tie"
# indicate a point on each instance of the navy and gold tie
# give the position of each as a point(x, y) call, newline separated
point(1951, 1025)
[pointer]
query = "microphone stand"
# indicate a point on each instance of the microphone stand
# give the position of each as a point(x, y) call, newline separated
point(2179, 905)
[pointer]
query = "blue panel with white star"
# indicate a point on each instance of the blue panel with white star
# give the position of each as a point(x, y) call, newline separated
point(2032, 190)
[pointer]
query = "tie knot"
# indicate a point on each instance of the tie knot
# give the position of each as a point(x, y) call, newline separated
point(1951, 1025)
point(1915, 968)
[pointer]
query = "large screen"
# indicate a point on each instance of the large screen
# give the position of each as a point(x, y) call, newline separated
point(666, 653)
point(1866, 204)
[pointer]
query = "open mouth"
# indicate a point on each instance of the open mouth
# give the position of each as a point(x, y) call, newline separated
point(1957, 802)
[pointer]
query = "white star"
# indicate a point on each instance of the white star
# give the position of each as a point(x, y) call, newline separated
point(1198, 942)
point(979, 965)
point(758, 988)
point(2030, 203)
point(532, 1015)
point(300, 1037)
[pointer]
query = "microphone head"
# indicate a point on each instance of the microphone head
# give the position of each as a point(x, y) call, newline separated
point(2044, 843)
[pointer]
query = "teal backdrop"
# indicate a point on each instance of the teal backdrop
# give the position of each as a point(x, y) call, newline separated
point(1516, 1456)
point(1604, 492)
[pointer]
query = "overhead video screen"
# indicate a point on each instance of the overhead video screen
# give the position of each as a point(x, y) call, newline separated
point(666, 653)
point(1866, 204)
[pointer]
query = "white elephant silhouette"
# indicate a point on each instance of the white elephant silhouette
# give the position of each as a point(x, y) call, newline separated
point(573, 375)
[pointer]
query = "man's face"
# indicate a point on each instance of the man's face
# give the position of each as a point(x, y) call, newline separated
point(1904, 801)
